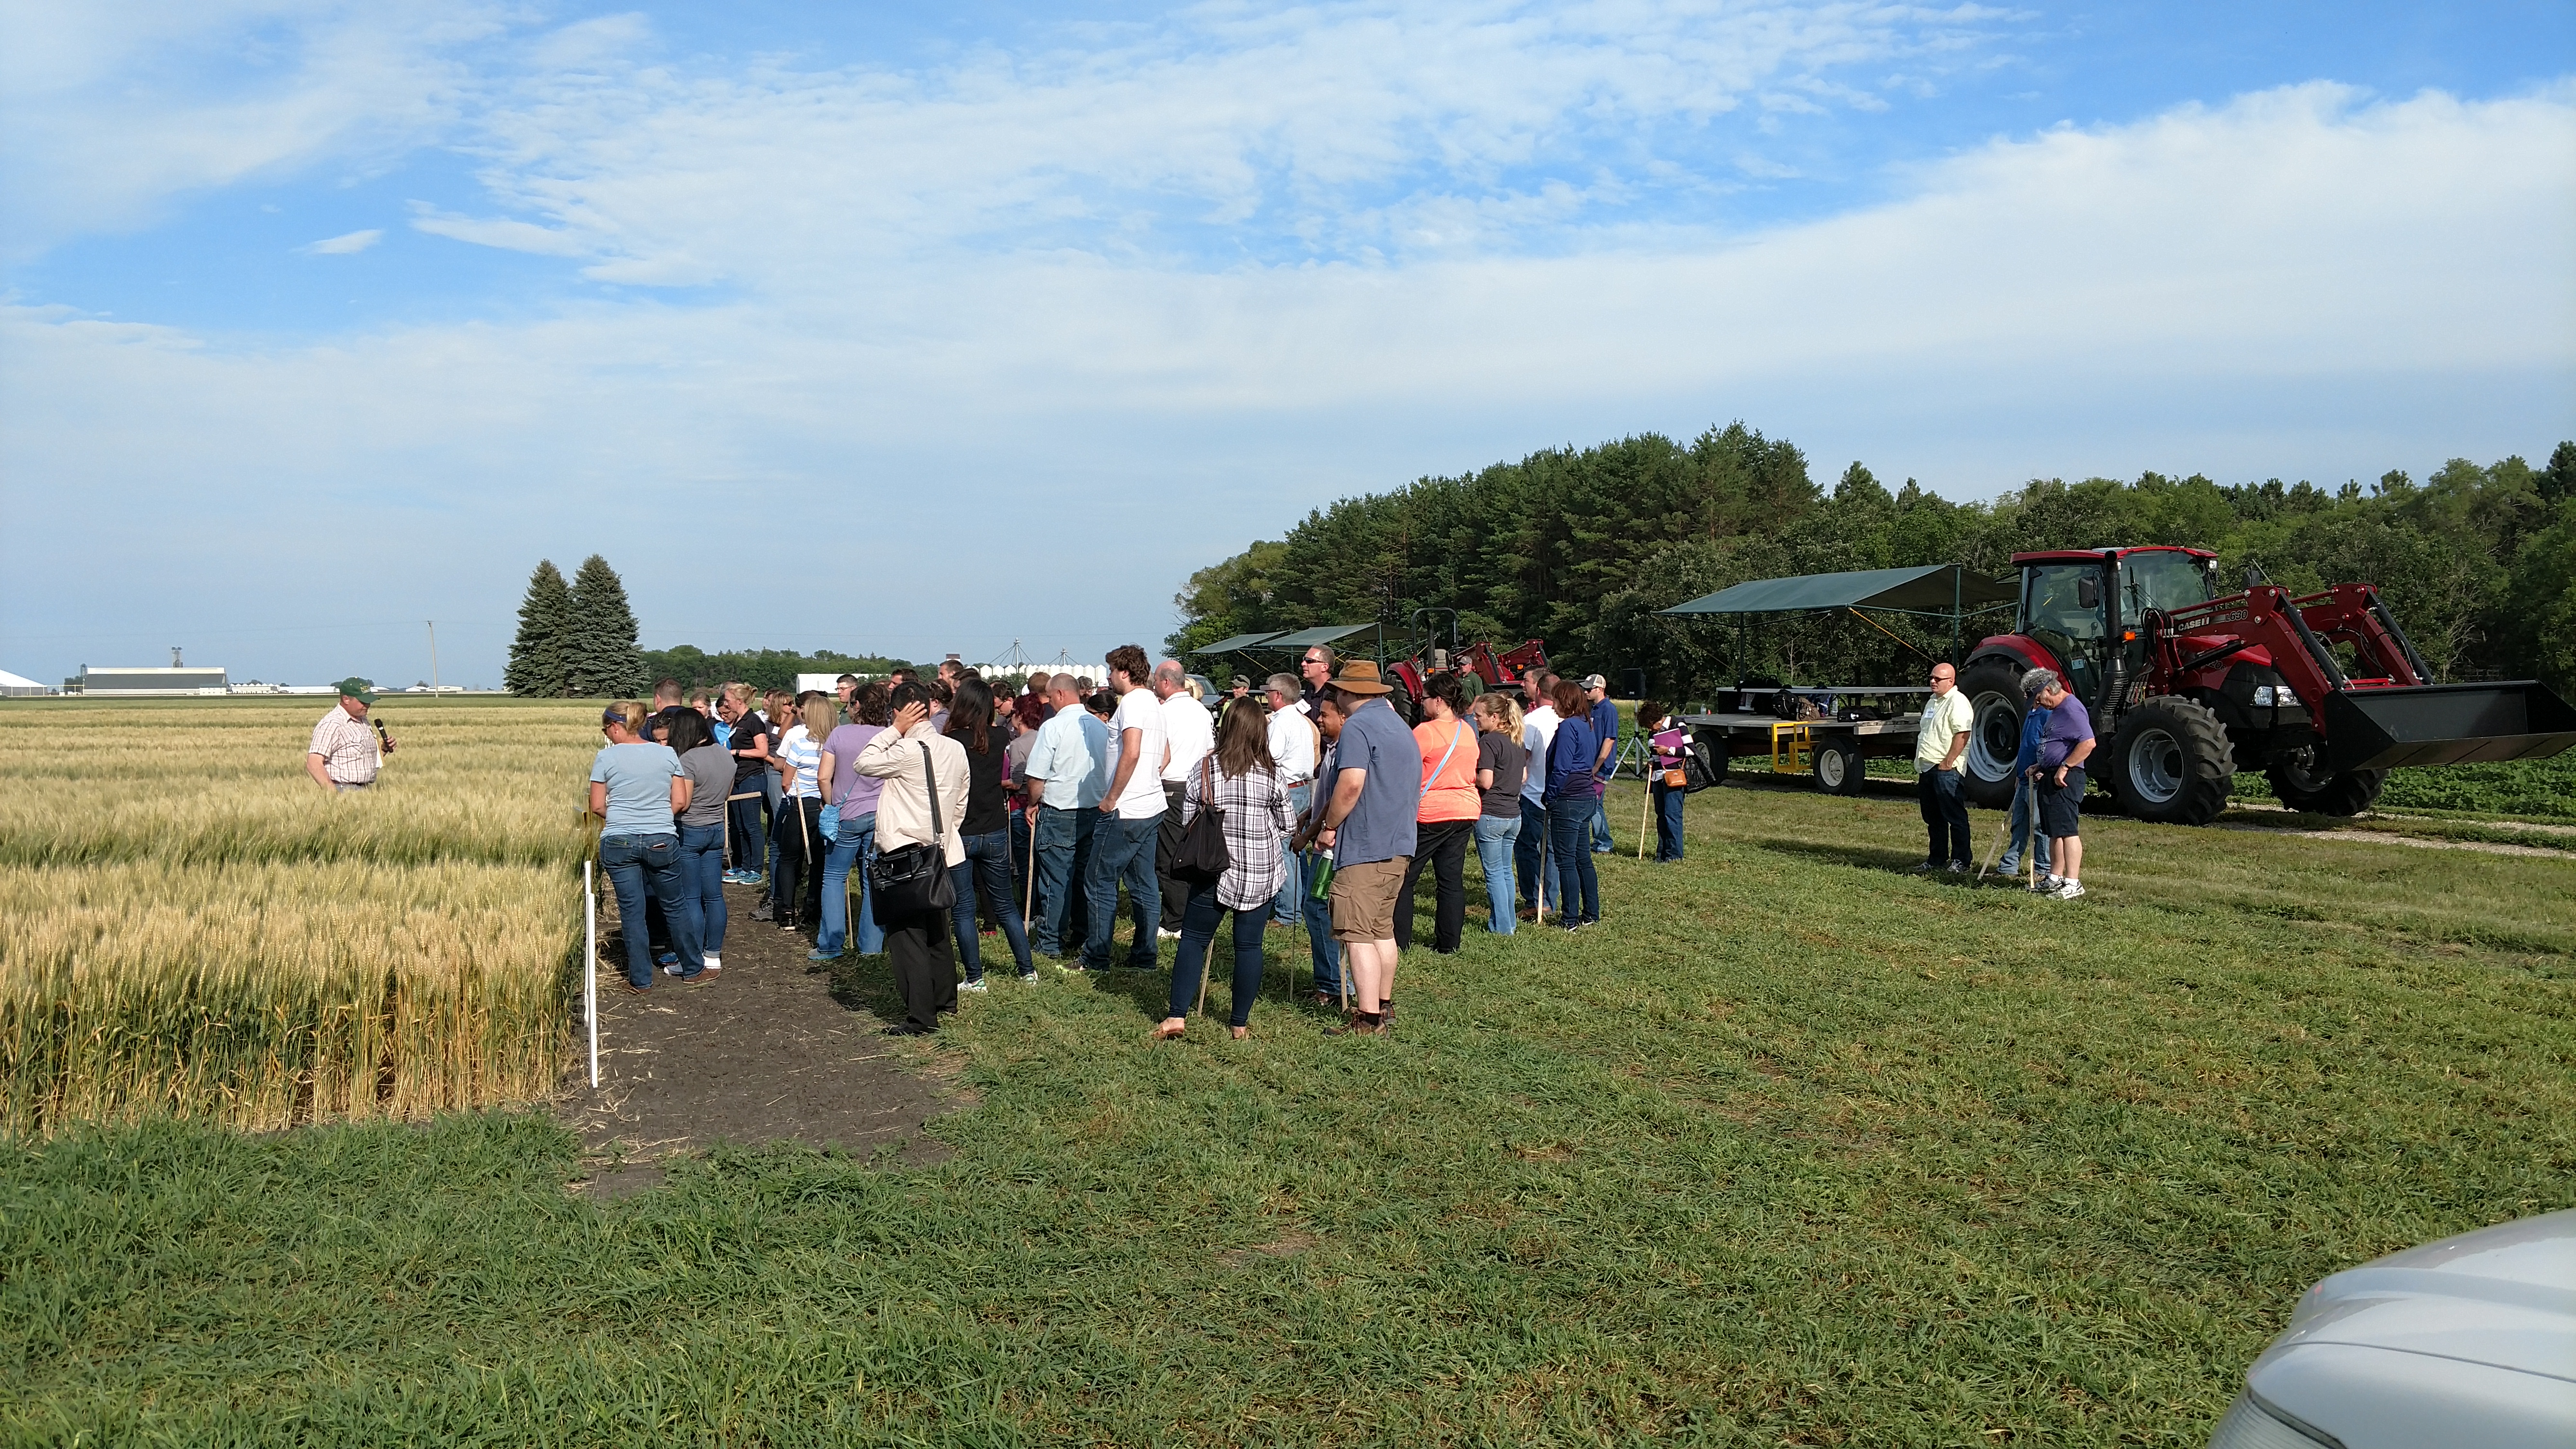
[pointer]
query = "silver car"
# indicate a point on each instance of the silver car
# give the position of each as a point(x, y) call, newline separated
point(2469, 1341)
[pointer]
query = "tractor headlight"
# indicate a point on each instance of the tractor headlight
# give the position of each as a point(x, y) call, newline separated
point(2263, 694)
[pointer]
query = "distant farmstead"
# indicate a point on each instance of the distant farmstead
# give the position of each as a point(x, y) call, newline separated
point(141, 680)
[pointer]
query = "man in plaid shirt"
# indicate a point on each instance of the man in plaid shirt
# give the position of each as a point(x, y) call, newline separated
point(343, 755)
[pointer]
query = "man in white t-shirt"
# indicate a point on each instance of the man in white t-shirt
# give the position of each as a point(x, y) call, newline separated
point(1189, 735)
point(1122, 845)
point(1538, 731)
point(1294, 743)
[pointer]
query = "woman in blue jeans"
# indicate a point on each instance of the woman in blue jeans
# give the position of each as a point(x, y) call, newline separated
point(987, 833)
point(1502, 765)
point(854, 840)
point(635, 789)
point(1241, 782)
point(698, 910)
point(1573, 793)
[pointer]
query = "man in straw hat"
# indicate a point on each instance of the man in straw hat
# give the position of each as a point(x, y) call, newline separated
point(1368, 826)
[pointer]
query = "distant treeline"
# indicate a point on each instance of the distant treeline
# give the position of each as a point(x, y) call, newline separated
point(760, 668)
point(1582, 548)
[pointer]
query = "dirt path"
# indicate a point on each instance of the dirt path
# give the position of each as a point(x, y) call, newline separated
point(764, 1053)
point(2381, 837)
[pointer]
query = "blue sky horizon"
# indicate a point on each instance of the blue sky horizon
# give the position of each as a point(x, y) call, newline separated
point(903, 331)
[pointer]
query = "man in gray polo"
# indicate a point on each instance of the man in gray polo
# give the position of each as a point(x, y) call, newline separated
point(1368, 824)
point(344, 754)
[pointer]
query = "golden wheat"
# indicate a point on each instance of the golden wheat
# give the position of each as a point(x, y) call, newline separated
point(197, 929)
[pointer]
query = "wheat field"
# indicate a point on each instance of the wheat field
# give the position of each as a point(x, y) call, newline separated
point(195, 929)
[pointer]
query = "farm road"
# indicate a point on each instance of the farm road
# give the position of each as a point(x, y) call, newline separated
point(764, 1053)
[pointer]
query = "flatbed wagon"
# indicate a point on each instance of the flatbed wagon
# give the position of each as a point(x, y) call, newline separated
point(1854, 726)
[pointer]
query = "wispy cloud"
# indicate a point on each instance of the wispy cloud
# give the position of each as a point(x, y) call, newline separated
point(344, 244)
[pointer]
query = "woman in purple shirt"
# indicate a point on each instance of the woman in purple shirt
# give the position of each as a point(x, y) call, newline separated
point(2064, 745)
point(854, 796)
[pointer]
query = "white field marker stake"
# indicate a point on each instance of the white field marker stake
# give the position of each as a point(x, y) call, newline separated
point(590, 978)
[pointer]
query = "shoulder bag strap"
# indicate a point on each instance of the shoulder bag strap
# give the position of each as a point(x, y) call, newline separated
point(1457, 728)
point(938, 831)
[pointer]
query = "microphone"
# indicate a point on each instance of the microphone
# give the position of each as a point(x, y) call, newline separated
point(381, 737)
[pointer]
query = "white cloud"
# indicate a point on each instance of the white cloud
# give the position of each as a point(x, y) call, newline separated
point(2300, 282)
point(114, 111)
point(344, 244)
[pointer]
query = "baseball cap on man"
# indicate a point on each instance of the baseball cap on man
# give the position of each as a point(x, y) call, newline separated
point(358, 689)
point(1595, 681)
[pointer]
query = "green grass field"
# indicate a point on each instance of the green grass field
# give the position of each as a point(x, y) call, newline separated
point(1791, 1149)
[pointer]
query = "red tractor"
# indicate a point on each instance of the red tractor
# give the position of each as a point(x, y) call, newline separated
point(2324, 694)
point(1507, 670)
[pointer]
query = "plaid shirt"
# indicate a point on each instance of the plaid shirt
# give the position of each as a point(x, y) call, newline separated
point(1255, 815)
point(347, 748)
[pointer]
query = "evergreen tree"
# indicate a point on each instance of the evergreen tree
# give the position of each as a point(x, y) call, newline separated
point(602, 660)
point(540, 662)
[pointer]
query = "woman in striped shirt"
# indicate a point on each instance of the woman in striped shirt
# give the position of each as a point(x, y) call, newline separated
point(1251, 797)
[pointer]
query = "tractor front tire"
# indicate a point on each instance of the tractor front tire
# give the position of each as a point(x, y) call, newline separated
point(2301, 787)
point(1996, 706)
point(2170, 762)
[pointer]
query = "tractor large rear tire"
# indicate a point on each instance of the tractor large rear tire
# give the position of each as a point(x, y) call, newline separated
point(1993, 688)
point(2301, 787)
point(2170, 762)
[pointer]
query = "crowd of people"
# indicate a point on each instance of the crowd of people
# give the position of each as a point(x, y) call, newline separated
point(1305, 805)
point(903, 816)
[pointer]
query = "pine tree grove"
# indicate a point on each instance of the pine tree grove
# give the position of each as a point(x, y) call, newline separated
point(540, 664)
point(602, 660)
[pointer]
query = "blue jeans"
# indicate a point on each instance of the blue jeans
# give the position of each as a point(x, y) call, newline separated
point(633, 863)
point(1289, 905)
point(750, 833)
point(1198, 929)
point(853, 849)
point(988, 863)
point(770, 794)
point(1569, 830)
point(698, 911)
point(1601, 842)
point(1064, 861)
point(1319, 932)
point(1529, 856)
point(1668, 821)
point(1123, 849)
point(1497, 839)
point(1945, 817)
point(2020, 826)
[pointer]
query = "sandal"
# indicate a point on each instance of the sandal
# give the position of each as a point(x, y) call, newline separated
point(1164, 1033)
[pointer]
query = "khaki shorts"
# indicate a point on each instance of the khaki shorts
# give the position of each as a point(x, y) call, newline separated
point(1364, 899)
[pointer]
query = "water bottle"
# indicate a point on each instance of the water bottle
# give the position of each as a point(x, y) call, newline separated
point(1319, 875)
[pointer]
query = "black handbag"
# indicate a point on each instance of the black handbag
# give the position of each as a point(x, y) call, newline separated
point(912, 880)
point(1202, 855)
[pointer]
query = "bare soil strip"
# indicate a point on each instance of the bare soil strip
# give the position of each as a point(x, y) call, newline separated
point(762, 1053)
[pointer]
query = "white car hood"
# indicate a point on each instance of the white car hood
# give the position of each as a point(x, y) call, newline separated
point(2503, 1296)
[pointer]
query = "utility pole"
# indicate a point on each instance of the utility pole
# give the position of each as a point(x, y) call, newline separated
point(433, 653)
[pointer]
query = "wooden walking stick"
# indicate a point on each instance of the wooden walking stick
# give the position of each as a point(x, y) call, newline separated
point(1644, 811)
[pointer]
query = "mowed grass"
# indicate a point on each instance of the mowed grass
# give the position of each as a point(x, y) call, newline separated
point(1791, 1149)
point(198, 930)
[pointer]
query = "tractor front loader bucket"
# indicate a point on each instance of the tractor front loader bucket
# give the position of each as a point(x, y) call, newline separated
point(2445, 724)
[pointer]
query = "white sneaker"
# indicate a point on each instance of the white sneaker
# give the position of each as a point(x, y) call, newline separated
point(714, 962)
point(974, 985)
point(2046, 885)
point(2068, 890)
point(1167, 935)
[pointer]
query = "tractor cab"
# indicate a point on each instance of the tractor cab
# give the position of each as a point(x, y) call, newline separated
point(2083, 614)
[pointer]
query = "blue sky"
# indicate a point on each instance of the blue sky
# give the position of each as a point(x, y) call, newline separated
point(823, 323)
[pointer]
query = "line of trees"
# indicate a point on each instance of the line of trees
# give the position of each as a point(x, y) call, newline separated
point(1581, 548)
point(577, 640)
point(760, 668)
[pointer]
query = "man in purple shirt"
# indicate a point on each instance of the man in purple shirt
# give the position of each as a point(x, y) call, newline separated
point(2064, 745)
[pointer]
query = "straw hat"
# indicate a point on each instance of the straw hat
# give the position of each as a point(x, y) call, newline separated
point(1359, 676)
